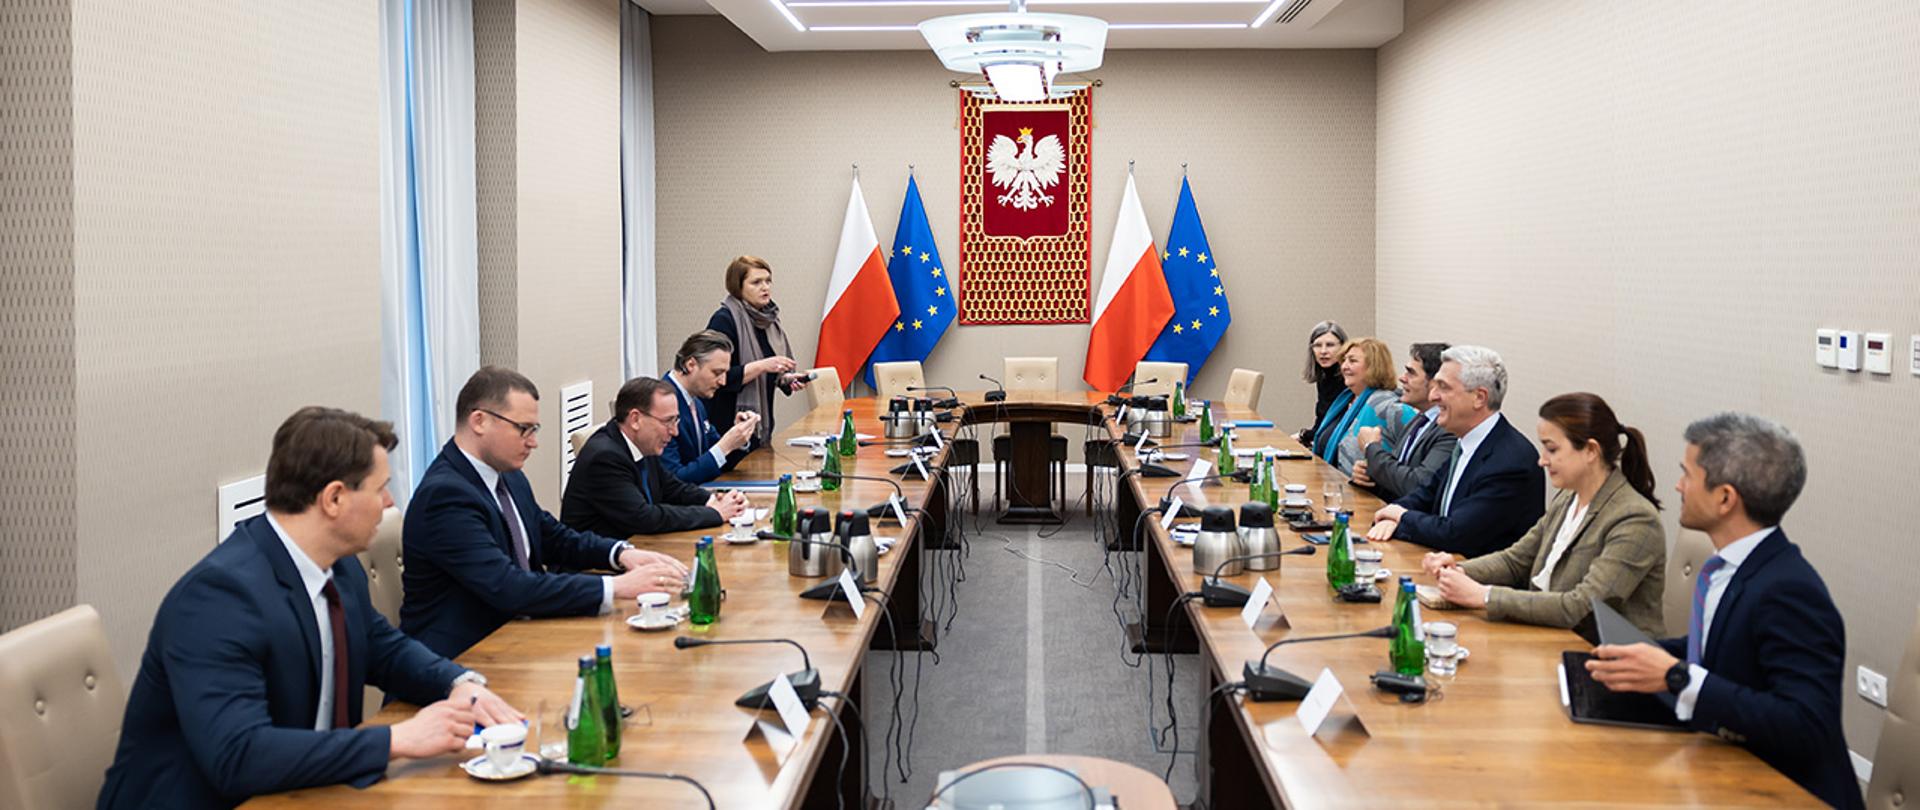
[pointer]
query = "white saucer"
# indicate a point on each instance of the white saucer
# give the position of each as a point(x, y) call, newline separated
point(1382, 575)
point(1459, 654)
point(638, 622)
point(481, 769)
point(899, 452)
point(738, 542)
point(1171, 456)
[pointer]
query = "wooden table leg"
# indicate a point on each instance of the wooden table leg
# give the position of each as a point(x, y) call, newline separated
point(1030, 496)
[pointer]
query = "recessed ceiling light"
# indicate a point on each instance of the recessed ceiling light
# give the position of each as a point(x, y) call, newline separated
point(1268, 12)
point(1174, 26)
point(788, 13)
point(846, 29)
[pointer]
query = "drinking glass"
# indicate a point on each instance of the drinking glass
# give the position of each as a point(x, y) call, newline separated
point(1443, 647)
point(1333, 494)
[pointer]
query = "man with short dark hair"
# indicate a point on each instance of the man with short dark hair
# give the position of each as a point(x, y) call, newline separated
point(259, 657)
point(699, 453)
point(1405, 455)
point(479, 551)
point(1764, 661)
point(619, 486)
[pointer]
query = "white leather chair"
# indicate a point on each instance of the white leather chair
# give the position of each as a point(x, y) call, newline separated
point(1034, 374)
point(1690, 550)
point(826, 390)
point(383, 563)
point(893, 379)
point(61, 702)
point(578, 440)
point(1162, 374)
point(1243, 388)
point(1896, 760)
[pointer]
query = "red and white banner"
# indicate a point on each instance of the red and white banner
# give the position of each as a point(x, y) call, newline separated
point(1026, 210)
point(1134, 303)
point(860, 304)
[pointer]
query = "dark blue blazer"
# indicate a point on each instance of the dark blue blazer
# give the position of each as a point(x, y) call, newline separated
point(224, 704)
point(461, 580)
point(610, 493)
point(1502, 493)
point(1776, 664)
point(687, 457)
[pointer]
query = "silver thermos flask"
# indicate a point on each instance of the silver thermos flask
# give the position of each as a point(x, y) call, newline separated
point(808, 559)
point(1217, 543)
point(857, 534)
point(1159, 419)
point(1256, 534)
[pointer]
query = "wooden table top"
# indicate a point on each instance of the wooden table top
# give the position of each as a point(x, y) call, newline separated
point(1496, 736)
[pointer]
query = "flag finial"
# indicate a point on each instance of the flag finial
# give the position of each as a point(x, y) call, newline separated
point(1183, 170)
point(856, 170)
point(1129, 167)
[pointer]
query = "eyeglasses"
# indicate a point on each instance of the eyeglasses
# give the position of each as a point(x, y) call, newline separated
point(526, 430)
point(671, 424)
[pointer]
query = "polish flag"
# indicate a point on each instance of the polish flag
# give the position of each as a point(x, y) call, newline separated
point(1134, 304)
point(860, 303)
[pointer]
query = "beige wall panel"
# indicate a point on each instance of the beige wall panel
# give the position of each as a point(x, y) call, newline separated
point(1660, 203)
point(568, 211)
point(754, 151)
point(37, 494)
point(496, 177)
point(226, 265)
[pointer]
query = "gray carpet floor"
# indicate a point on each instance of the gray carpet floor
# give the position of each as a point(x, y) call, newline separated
point(1034, 663)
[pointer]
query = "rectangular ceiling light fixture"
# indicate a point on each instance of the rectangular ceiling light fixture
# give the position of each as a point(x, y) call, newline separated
point(788, 13)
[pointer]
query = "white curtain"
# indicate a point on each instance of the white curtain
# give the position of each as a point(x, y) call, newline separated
point(640, 343)
point(429, 265)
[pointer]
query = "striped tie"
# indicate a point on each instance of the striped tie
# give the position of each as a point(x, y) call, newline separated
point(1446, 484)
point(1700, 588)
point(1412, 435)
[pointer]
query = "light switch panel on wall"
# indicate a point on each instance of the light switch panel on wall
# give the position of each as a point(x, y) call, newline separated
point(1913, 358)
point(1847, 351)
point(1878, 347)
point(1824, 351)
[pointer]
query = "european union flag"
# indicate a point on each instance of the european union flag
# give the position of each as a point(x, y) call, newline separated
point(920, 284)
point(1200, 312)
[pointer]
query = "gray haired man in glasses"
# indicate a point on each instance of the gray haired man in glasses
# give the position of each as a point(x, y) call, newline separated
point(479, 551)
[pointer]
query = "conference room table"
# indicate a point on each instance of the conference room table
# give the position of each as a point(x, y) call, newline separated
point(1494, 735)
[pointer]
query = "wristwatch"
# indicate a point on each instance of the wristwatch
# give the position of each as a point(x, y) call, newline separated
point(1678, 676)
point(478, 679)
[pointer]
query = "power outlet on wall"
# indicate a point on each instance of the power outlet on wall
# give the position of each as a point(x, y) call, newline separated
point(1872, 686)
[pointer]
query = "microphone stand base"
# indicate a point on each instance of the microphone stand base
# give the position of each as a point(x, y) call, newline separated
point(806, 683)
point(823, 592)
point(1157, 471)
point(996, 396)
point(1266, 684)
point(1223, 594)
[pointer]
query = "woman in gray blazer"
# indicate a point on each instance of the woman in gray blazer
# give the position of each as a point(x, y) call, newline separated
point(1601, 536)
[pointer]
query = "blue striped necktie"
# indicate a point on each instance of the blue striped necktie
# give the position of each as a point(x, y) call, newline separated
point(1700, 587)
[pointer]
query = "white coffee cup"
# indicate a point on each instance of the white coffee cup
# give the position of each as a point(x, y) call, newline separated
point(806, 481)
point(653, 606)
point(743, 526)
point(504, 744)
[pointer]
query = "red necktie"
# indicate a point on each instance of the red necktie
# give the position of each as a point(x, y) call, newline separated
point(338, 619)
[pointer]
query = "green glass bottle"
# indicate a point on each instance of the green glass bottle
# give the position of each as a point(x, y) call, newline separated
point(1206, 420)
point(1408, 650)
point(586, 737)
point(1257, 493)
point(1273, 485)
point(1340, 554)
point(1179, 404)
point(849, 440)
point(830, 471)
point(607, 694)
point(703, 604)
point(785, 508)
point(1226, 465)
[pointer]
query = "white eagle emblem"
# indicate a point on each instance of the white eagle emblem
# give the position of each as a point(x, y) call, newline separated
point(1026, 174)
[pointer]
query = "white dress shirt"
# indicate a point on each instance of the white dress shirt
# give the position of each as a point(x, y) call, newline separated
point(315, 580)
point(1468, 444)
point(1569, 529)
point(700, 428)
point(490, 479)
point(1734, 554)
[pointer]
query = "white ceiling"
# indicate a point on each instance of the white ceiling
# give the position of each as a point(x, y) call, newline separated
point(884, 25)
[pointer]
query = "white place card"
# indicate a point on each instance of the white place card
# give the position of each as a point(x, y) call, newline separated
point(900, 512)
point(1140, 444)
point(1173, 511)
point(793, 713)
point(939, 441)
point(1201, 469)
point(1319, 702)
point(921, 466)
point(851, 589)
point(1262, 591)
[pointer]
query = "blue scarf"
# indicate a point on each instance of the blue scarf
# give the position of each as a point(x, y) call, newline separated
point(1344, 411)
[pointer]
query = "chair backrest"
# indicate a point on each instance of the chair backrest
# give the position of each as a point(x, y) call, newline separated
point(1896, 761)
point(61, 702)
point(382, 563)
point(893, 379)
point(826, 390)
point(1243, 388)
point(1690, 550)
point(1032, 373)
point(578, 439)
point(1164, 374)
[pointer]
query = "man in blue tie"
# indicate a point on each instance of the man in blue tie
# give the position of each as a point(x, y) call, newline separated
point(1764, 661)
point(479, 551)
point(620, 488)
point(699, 453)
point(1407, 454)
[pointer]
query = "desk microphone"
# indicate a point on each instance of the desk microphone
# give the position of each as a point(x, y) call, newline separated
point(1226, 594)
point(1266, 683)
point(552, 766)
point(952, 400)
point(1117, 400)
point(806, 682)
point(997, 395)
point(1152, 470)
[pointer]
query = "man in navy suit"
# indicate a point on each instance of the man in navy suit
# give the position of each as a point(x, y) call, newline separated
point(1763, 663)
point(479, 551)
point(259, 657)
point(699, 453)
point(619, 484)
point(1491, 490)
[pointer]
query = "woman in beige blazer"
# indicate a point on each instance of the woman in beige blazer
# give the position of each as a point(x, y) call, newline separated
point(1600, 537)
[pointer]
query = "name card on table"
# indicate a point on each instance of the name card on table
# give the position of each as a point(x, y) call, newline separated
point(900, 512)
point(1262, 591)
point(1202, 468)
point(793, 713)
point(1173, 511)
point(1320, 702)
point(1140, 445)
point(851, 588)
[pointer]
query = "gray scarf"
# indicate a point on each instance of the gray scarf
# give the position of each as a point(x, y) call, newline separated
point(758, 392)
